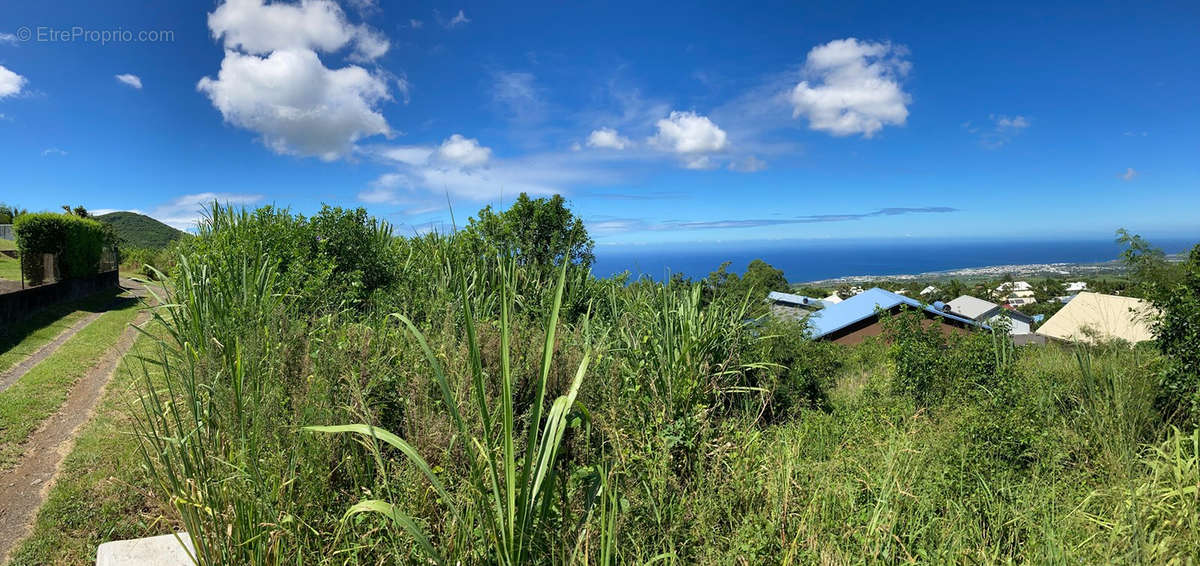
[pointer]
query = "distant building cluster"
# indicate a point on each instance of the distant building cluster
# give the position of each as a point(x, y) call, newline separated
point(1086, 317)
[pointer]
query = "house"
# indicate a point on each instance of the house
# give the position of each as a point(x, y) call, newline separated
point(832, 299)
point(1015, 287)
point(985, 312)
point(1076, 287)
point(792, 307)
point(929, 290)
point(1019, 301)
point(1090, 317)
point(853, 320)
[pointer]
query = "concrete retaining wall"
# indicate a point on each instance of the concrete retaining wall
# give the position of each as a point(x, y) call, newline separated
point(20, 304)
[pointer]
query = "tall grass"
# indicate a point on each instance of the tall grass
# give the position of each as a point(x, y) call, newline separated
point(513, 494)
point(529, 416)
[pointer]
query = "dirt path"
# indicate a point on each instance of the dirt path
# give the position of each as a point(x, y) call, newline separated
point(24, 488)
point(13, 374)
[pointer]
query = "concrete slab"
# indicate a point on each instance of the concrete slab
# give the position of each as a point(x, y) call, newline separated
point(162, 550)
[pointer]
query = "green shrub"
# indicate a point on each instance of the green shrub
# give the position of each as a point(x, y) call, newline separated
point(801, 371)
point(78, 242)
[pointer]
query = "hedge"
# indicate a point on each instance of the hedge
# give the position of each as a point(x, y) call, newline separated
point(78, 242)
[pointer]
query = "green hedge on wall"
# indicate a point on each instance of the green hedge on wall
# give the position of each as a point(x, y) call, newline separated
point(79, 243)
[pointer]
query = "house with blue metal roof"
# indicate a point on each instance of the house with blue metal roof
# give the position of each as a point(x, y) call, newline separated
point(854, 319)
point(792, 307)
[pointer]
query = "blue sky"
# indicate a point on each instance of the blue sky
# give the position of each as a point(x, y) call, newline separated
point(660, 123)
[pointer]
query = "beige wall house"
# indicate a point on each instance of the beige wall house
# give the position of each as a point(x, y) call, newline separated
point(1091, 316)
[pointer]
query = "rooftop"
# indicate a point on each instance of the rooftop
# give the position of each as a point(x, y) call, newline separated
point(863, 306)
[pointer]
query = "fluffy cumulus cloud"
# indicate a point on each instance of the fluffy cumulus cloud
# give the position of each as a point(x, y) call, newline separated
point(853, 87)
point(296, 104)
point(130, 79)
point(10, 82)
point(607, 138)
point(463, 152)
point(688, 133)
point(253, 26)
point(272, 81)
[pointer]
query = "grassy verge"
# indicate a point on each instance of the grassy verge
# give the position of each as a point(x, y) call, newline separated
point(10, 268)
point(24, 338)
point(102, 492)
point(29, 401)
point(7, 245)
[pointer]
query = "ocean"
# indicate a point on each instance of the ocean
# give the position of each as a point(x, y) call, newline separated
point(810, 260)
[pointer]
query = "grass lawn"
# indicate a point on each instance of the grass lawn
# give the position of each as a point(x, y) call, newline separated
point(41, 391)
point(25, 337)
point(102, 493)
point(10, 268)
point(7, 245)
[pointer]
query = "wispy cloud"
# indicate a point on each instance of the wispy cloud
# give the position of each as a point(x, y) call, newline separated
point(619, 225)
point(459, 19)
point(131, 80)
point(8, 38)
point(1129, 174)
point(53, 151)
point(1001, 130)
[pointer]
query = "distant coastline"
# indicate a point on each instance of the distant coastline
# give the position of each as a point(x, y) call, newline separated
point(1060, 270)
point(841, 261)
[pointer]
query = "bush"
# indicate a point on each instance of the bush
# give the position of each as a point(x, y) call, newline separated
point(78, 242)
point(1178, 333)
point(931, 366)
point(801, 371)
point(336, 259)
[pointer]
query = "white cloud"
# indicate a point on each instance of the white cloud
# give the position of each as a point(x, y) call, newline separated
point(688, 132)
point(273, 83)
point(464, 152)
point(1002, 130)
point(607, 138)
point(298, 105)
point(8, 38)
point(1015, 123)
point(459, 19)
point(10, 82)
point(131, 80)
point(410, 155)
point(698, 162)
point(256, 27)
point(1129, 174)
point(185, 211)
point(53, 151)
point(855, 89)
point(749, 164)
point(415, 24)
point(517, 94)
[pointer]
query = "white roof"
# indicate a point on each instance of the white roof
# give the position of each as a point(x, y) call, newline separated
point(971, 307)
point(928, 290)
point(1091, 315)
point(1014, 286)
point(1077, 286)
point(832, 299)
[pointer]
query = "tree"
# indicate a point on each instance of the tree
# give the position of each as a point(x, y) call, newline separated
point(538, 232)
point(79, 211)
point(760, 278)
point(8, 213)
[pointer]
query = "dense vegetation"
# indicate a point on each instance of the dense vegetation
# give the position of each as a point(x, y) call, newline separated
point(78, 242)
point(138, 231)
point(330, 393)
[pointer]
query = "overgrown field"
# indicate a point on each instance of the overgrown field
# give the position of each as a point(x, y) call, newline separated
point(326, 393)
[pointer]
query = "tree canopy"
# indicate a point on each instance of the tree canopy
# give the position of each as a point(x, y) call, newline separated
point(541, 231)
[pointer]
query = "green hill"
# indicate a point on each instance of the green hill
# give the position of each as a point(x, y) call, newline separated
point(141, 231)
